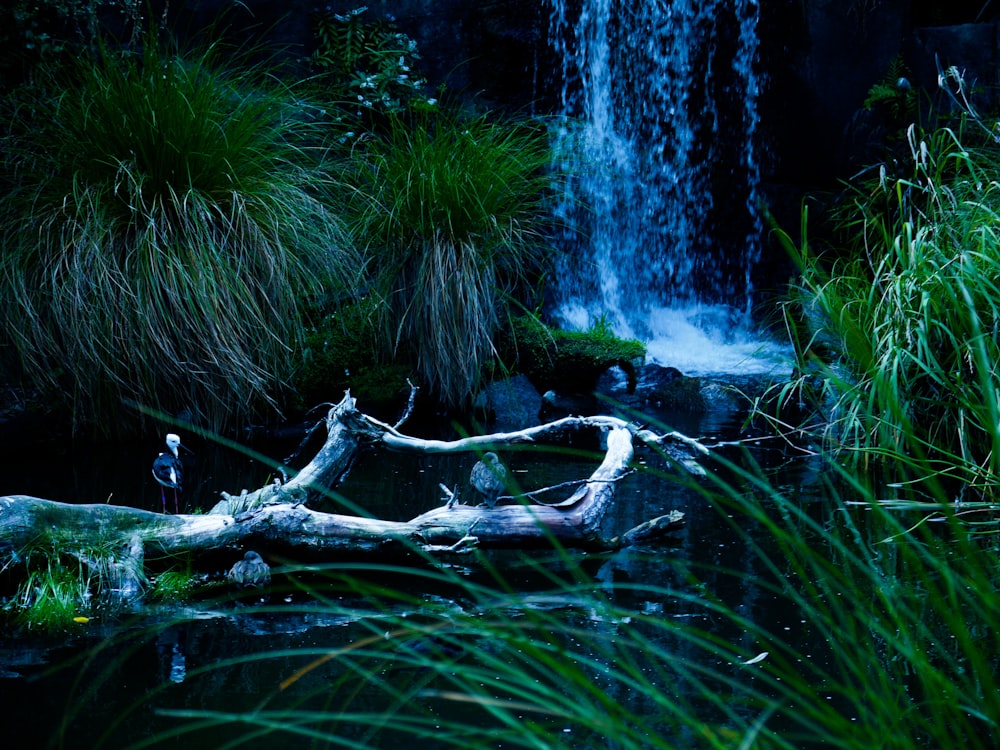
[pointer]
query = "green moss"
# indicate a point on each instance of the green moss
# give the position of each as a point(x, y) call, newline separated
point(571, 361)
point(341, 352)
point(174, 585)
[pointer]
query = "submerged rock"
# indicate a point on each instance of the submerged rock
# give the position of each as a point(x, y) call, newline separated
point(556, 405)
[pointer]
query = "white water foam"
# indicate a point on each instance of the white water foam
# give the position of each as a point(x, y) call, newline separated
point(702, 341)
point(699, 340)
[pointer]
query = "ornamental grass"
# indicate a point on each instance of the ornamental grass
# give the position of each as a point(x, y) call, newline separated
point(450, 208)
point(162, 235)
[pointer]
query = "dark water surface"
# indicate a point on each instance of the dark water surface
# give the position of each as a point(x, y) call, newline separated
point(120, 682)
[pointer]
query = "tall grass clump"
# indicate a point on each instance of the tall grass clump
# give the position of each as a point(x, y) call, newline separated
point(450, 208)
point(162, 236)
point(62, 583)
point(51, 596)
point(898, 333)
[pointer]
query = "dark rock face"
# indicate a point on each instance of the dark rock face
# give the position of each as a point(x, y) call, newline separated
point(821, 57)
point(491, 50)
point(971, 48)
point(818, 60)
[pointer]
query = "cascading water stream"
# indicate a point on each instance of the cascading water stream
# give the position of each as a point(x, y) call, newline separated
point(660, 213)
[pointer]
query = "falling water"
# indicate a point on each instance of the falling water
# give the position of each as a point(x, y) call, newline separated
point(660, 213)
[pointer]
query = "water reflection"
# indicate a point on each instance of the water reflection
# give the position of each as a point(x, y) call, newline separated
point(170, 645)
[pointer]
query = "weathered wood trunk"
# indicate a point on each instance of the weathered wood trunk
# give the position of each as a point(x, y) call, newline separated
point(276, 519)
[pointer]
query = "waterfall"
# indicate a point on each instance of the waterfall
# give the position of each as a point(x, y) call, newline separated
point(660, 212)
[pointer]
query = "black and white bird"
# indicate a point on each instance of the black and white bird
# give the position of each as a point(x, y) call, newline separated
point(169, 471)
point(489, 478)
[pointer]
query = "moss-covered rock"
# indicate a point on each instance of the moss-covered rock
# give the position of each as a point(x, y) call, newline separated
point(568, 361)
point(341, 352)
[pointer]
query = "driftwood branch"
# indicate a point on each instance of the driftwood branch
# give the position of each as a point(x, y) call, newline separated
point(276, 519)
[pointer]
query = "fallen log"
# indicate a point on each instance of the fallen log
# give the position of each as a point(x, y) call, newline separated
point(276, 519)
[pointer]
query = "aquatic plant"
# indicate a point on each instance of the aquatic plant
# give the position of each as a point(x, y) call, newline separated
point(897, 329)
point(51, 596)
point(889, 583)
point(862, 618)
point(62, 583)
point(450, 208)
point(173, 585)
point(162, 236)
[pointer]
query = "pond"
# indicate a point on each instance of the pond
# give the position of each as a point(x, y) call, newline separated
point(333, 650)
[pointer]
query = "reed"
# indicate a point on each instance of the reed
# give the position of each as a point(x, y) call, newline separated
point(897, 334)
point(162, 234)
point(893, 643)
point(895, 588)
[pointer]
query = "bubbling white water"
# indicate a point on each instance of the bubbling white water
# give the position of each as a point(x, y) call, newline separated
point(705, 341)
point(699, 340)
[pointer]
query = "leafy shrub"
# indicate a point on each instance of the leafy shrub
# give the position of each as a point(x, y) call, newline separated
point(36, 32)
point(370, 64)
point(894, 94)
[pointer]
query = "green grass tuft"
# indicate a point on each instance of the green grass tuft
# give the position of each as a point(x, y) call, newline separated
point(162, 234)
point(51, 597)
point(898, 334)
point(173, 585)
point(450, 208)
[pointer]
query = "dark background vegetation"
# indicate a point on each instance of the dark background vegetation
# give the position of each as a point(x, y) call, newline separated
point(818, 63)
point(818, 58)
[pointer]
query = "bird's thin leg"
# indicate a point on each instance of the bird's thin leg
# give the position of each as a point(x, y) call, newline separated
point(163, 499)
point(177, 504)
